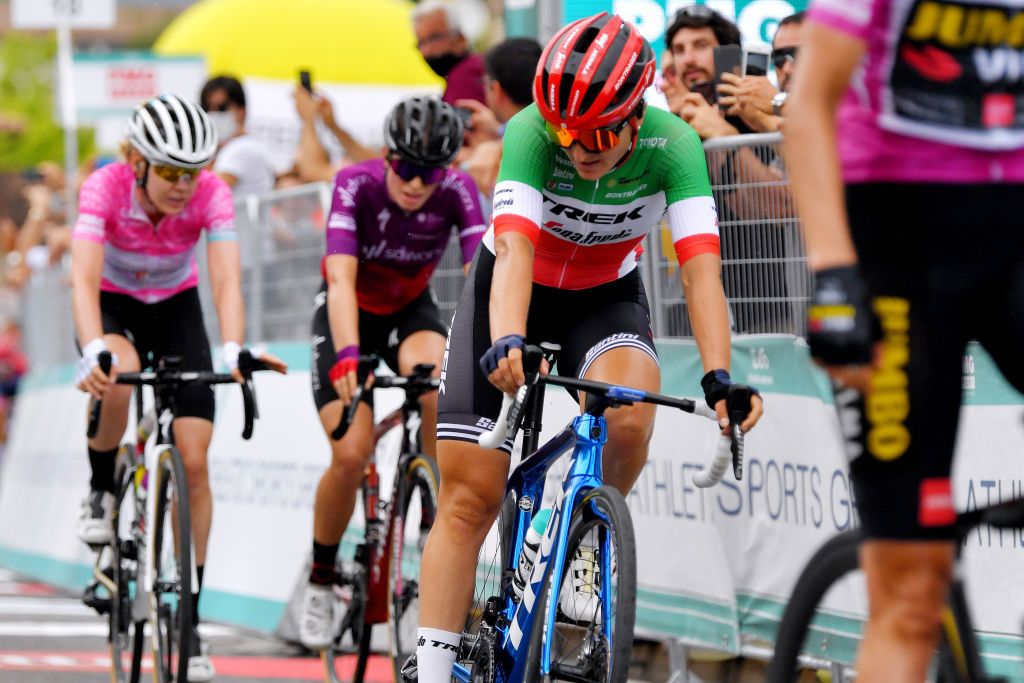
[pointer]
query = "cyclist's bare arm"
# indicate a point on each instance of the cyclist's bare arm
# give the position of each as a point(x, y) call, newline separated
point(828, 59)
point(86, 274)
point(343, 312)
point(225, 266)
point(511, 286)
point(709, 315)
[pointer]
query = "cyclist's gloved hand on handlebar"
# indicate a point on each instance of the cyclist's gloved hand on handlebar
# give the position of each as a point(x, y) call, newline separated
point(716, 385)
point(90, 377)
point(839, 318)
point(344, 373)
point(229, 356)
point(503, 363)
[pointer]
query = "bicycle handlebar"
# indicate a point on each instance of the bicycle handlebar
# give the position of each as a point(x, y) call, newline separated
point(105, 361)
point(419, 382)
point(161, 377)
point(729, 447)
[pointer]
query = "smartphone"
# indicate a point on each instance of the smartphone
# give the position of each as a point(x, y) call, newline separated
point(465, 115)
point(728, 59)
point(305, 80)
point(755, 60)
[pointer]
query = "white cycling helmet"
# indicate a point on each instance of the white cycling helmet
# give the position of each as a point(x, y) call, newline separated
point(171, 130)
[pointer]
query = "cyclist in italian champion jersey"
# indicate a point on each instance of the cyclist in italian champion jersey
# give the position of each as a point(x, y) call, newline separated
point(587, 172)
point(134, 278)
point(390, 222)
point(916, 107)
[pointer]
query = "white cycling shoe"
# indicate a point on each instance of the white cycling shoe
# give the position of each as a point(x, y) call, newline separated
point(200, 666)
point(579, 598)
point(316, 624)
point(94, 526)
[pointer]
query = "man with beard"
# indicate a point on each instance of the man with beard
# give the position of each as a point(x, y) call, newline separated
point(446, 50)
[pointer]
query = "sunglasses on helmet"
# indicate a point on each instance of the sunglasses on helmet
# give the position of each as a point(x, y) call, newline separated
point(173, 174)
point(408, 171)
point(695, 11)
point(782, 55)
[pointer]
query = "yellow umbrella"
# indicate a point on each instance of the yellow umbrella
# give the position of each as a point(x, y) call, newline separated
point(339, 41)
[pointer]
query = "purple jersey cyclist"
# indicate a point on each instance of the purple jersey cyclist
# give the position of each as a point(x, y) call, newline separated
point(390, 222)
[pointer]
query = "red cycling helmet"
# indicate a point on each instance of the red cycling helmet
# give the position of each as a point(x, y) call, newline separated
point(593, 73)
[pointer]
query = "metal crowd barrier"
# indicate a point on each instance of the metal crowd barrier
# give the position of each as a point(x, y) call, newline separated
point(282, 236)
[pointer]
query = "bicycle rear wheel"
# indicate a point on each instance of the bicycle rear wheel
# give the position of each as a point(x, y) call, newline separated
point(412, 516)
point(601, 529)
point(171, 600)
point(125, 636)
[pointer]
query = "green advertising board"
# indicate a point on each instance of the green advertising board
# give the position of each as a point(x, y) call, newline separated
point(757, 19)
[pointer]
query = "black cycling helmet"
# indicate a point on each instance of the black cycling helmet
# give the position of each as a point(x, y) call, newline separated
point(424, 130)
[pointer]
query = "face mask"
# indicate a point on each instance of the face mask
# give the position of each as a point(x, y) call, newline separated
point(442, 65)
point(225, 125)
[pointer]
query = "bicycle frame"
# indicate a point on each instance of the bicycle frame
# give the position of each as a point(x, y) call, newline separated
point(377, 512)
point(586, 436)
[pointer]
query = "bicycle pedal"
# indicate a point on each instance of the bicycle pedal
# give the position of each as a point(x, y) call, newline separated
point(94, 601)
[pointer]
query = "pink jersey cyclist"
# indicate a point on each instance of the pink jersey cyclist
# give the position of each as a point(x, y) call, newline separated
point(150, 262)
point(908, 115)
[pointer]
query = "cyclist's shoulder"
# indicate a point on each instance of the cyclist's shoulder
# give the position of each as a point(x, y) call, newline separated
point(107, 185)
point(351, 181)
point(525, 128)
point(663, 133)
point(458, 188)
point(212, 194)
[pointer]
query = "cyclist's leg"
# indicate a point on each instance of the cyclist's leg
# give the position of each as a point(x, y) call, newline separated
point(421, 338)
point(472, 479)
point(610, 340)
point(336, 491)
point(94, 520)
point(629, 427)
point(425, 346)
point(182, 333)
point(904, 447)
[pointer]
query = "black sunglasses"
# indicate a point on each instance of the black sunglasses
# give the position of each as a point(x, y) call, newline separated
point(695, 11)
point(782, 55)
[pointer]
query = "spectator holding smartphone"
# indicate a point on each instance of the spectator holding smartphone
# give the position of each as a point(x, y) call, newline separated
point(753, 98)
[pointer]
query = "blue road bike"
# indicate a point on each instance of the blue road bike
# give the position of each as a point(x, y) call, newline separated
point(574, 619)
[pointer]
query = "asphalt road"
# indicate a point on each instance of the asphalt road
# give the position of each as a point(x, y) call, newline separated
point(50, 637)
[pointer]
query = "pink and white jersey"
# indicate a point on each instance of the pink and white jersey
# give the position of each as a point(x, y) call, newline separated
point(150, 263)
point(939, 95)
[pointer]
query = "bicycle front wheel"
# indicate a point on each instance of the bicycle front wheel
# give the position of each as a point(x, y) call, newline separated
point(171, 600)
point(126, 637)
point(411, 519)
point(596, 606)
point(834, 560)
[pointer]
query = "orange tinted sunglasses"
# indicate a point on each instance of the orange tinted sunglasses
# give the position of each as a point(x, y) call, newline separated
point(596, 140)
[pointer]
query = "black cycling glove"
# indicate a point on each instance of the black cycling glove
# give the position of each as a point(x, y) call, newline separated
point(839, 320)
point(499, 349)
point(717, 384)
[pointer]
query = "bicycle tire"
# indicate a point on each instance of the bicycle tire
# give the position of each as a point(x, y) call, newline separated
point(172, 620)
point(603, 507)
point(123, 632)
point(419, 481)
point(838, 557)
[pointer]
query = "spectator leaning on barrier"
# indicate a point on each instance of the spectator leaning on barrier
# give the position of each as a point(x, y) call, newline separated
point(312, 162)
point(445, 48)
point(753, 98)
point(242, 161)
point(508, 84)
